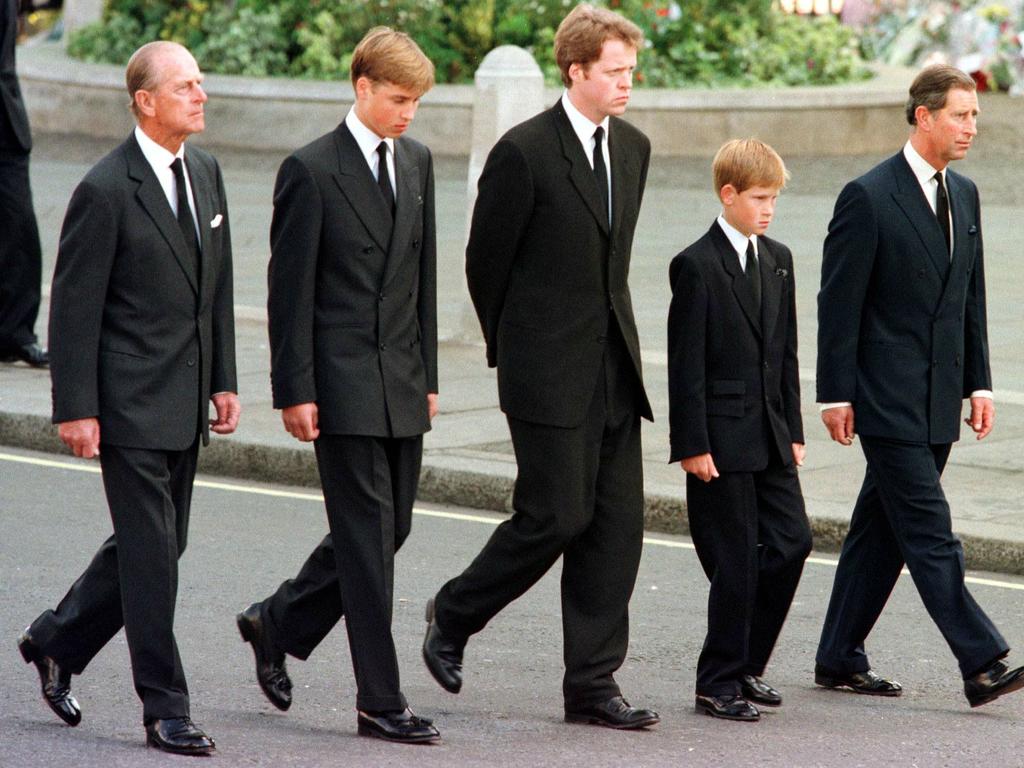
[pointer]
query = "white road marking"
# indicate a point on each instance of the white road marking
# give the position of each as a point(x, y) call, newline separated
point(80, 465)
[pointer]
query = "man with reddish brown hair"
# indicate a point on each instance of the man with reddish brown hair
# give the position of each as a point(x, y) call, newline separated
point(547, 265)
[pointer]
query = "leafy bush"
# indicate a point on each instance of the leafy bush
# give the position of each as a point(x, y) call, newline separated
point(688, 42)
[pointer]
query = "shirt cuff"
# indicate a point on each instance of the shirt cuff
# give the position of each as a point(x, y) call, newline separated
point(983, 393)
point(830, 406)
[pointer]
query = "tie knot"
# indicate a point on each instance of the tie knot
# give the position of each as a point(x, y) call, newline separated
point(751, 252)
point(382, 150)
point(938, 178)
point(177, 168)
point(598, 135)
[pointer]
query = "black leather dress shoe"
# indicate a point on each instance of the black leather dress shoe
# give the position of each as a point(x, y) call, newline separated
point(270, 669)
point(442, 654)
point(868, 683)
point(178, 735)
point(613, 713)
point(401, 727)
point(753, 688)
point(32, 354)
point(992, 683)
point(728, 707)
point(55, 681)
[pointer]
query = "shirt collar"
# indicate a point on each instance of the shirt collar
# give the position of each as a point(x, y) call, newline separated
point(367, 140)
point(582, 125)
point(736, 238)
point(157, 156)
point(921, 168)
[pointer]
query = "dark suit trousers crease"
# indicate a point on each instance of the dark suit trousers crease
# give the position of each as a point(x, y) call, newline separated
point(902, 516)
point(149, 494)
point(21, 262)
point(369, 488)
point(752, 536)
point(579, 495)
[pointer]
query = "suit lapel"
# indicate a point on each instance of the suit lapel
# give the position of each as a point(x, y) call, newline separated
point(581, 174)
point(153, 200)
point(771, 285)
point(625, 171)
point(910, 198)
point(202, 191)
point(740, 287)
point(962, 205)
point(408, 204)
point(357, 184)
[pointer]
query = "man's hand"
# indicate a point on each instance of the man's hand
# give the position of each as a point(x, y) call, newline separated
point(301, 421)
point(983, 416)
point(228, 410)
point(839, 423)
point(799, 451)
point(432, 405)
point(703, 466)
point(82, 436)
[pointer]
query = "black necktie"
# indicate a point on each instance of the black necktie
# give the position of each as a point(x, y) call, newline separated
point(185, 220)
point(383, 178)
point(753, 273)
point(942, 209)
point(601, 171)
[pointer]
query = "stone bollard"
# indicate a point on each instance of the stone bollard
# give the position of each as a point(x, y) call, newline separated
point(79, 13)
point(509, 89)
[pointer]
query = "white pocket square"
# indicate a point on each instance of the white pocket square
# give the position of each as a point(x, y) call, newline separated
point(216, 221)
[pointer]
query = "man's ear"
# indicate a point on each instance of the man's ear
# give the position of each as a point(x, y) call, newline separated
point(727, 194)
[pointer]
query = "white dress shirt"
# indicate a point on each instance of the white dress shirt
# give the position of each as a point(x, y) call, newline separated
point(368, 142)
point(584, 130)
point(738, 240)
point(160, 159)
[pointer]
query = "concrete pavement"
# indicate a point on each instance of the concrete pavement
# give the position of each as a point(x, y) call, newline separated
point(468, 458)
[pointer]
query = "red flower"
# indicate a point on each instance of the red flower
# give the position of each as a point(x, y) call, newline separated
point(810, 63)
point(981, 80)
point(663, 12)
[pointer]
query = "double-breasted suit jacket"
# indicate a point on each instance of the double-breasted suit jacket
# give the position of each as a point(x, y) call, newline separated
point(550, 280)
point(138, 339)
point(901, 326)
point(734, 380)
point(353, 319)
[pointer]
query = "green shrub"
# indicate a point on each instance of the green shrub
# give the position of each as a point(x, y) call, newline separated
point(688, 42)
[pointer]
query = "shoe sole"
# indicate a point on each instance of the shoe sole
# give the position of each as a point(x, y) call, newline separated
point(247, 636)
point(835, 685)
point(1016, 685)
point(711, 713)
point(590, 720)
point(435, 673)
point(200, 752)
point(373, 733)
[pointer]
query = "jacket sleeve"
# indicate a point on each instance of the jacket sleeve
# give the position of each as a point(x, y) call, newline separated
point(791, 365)
point(847, 262)
point(223, 375)
point(291, 281)
point(503, 207)
point(85, 259)
point(427, 309)
point(687, 365)
point(977, 373)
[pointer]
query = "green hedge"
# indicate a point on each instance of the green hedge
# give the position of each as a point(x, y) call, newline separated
point(689, 43)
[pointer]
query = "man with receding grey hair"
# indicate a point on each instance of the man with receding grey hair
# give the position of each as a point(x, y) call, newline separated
point(141, 334)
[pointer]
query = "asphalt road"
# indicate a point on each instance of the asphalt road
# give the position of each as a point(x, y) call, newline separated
point(246, 538)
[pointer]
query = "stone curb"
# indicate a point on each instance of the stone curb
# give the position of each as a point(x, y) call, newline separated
point(466, 488)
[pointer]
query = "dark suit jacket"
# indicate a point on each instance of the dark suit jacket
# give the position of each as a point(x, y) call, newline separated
point(734, 380)
point(901, 328)
point(546, 275)
point(135, 339)
point(352, 306)
point(14, 130)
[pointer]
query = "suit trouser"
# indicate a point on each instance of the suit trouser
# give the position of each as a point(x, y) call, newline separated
point(21, 263)
point(752, 536)
point(902, 516)
point(149, 494)
point(369, 488)
point(578, 495)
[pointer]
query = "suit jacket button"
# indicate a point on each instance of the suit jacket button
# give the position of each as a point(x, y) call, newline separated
point(383, 345)
point(415, 244)
point(190, 362)
point(381, 296)
point(368, 249)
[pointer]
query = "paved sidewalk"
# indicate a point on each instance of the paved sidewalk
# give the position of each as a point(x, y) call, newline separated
point(468, 458)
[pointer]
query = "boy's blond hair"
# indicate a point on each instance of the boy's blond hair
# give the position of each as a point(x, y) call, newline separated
point(582, 35)
point(385, 55)
point(746, 163)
